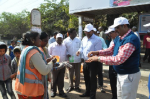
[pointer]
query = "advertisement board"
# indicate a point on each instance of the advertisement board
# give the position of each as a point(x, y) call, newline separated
point(127, 2)
point(143, 19)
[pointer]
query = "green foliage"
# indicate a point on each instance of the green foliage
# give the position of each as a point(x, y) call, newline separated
point(55, 17)
point(14, 24)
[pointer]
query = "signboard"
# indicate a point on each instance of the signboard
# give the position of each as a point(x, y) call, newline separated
point(35, 17)
point(143, 19)
point(86, 19)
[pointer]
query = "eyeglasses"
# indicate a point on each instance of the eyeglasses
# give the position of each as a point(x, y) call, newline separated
point(111, 32)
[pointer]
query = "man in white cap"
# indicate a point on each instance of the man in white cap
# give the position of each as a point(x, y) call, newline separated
point(125, 59)
point(100, 73)
point(90, 42)
point(112, 73)
point(146, 43)
point(59, 49)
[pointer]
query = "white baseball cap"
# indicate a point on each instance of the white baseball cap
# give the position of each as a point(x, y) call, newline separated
point(59, 35)
point(110, 29)
point(147, 25)
point(89, 27)
point(120, 21)
point(94, 29)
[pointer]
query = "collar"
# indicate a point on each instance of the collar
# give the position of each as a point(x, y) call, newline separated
point(92, 37)
point(71, 39)
point(125, 35)
point(57, 44)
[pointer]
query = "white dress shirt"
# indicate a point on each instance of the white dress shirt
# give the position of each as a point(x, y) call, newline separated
point(93, 43)
point(72, 47)
point(59, 50)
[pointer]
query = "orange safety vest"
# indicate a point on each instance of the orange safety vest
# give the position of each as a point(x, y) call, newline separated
point(33, 85)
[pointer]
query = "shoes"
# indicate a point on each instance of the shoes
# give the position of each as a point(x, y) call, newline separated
point(62, 95)
point(69, 89)
point(53, 94)
point(85, 95)
point(102, 90)
point(78, 89)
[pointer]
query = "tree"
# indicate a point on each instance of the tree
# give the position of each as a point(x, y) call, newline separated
point(55, 17)
point(14, 24)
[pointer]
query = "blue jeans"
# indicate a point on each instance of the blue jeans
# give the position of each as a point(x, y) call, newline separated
point(7, 84)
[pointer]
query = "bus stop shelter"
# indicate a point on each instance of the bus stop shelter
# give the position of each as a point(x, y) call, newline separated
point(91, 8)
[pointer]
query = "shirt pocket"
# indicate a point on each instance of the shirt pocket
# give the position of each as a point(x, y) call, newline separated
point(77, 45)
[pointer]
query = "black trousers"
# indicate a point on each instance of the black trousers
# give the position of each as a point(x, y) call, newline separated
point(147, 54)
point(100, 74)
point(113, 82)
point(58, 80)
point(90, 71)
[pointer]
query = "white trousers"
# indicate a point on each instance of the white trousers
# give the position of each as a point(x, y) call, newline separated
point(127, 85)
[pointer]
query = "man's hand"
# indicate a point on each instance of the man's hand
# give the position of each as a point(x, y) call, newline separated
point(82, 60)
point(54, 60)
point(68, 55)
point(92, 59)
point(93, 53)
point(78, 53)
point(13, 75)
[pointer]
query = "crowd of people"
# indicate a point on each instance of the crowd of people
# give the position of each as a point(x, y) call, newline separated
point(34, 65)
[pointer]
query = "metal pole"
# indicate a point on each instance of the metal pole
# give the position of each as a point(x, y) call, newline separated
point(80, 27)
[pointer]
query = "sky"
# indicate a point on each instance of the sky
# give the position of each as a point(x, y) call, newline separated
point(14, 6)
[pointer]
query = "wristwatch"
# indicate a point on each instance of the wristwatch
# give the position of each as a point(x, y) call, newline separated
point(98, 59)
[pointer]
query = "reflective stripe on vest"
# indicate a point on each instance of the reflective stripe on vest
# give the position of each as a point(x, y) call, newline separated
point(37, 81)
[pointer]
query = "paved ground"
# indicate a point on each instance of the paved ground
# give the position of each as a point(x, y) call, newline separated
point(142, 89)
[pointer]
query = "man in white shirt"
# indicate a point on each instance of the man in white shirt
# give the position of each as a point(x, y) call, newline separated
point(73, 44)
point(59, 49)
point(90, 42)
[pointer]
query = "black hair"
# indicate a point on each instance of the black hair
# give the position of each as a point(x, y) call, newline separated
point(17, 50)
point(55, 33)
point(65, 36)
point(71, 30)
point(12, 41)
point(43, 35)
point(3, 47)
point(28, 36)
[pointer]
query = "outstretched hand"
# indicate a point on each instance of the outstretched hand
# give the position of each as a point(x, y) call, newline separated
point(92, 59)
point(93, 53)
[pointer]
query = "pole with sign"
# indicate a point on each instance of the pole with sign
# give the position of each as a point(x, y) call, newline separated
point(36, 21)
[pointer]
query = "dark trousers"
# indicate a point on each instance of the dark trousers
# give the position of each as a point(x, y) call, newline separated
point(58, 80)
point(90, 72)
point(75, 69)
point(7, 84)
point(100, 74)
point(113, 82)
point(147, 54)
